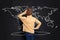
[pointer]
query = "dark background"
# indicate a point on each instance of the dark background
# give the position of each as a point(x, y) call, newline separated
point(7, 22)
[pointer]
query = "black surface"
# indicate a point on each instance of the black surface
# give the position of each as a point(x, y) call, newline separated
point(8, 24)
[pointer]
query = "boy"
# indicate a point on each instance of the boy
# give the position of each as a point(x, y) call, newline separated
point(29, 23)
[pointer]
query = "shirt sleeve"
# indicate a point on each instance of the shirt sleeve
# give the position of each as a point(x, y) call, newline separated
point(38, 23)
point(21, 15)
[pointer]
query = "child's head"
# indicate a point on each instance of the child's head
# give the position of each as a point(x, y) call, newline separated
point(29, 11)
